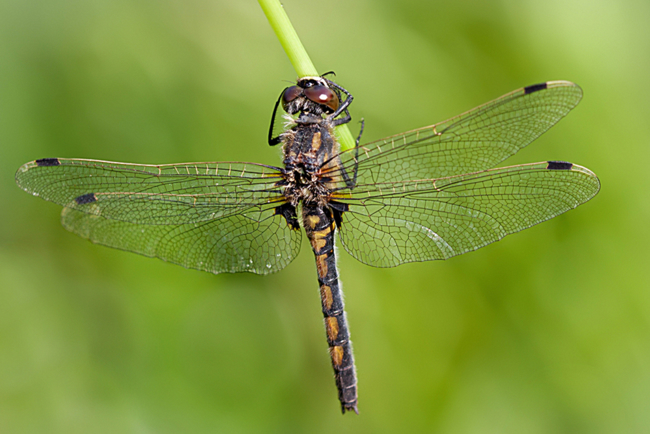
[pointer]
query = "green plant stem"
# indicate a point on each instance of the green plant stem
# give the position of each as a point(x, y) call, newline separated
point(298, 55)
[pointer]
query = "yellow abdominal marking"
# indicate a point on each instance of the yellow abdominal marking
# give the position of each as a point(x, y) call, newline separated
point(326, 296)
point(318, 240)
point(332, 327)
point(321, 266)
point(336, 353)
point(318, 244)
point(313, 220)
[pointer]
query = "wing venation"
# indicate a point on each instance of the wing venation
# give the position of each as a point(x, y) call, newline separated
point(473, 141)
point(424, 220)
point(215, 217)
point(150, 194)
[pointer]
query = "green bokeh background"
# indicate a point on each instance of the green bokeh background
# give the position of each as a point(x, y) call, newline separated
point(547, 331)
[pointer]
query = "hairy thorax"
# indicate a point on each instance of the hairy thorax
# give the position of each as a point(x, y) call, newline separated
point(308, 148)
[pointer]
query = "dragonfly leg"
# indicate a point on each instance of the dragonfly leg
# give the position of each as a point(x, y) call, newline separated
point(353, 183)
point(274, 140)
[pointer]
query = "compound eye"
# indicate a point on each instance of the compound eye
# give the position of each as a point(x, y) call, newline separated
point(324, 96)
point(290, 94)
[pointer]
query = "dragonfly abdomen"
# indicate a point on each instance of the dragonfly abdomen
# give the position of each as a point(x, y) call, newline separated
point(320, 226)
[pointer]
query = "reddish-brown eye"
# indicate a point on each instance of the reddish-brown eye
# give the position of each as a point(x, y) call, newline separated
point(323, 95)
point(290, 94)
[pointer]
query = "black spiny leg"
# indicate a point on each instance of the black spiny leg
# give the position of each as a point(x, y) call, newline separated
point(275, 140)
point(351, 183)
point(356, 159)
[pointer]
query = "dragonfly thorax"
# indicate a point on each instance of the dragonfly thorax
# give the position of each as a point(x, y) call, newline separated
point(303, 185)
point(308, 146)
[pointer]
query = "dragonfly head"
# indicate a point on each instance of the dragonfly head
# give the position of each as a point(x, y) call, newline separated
point(310, 95)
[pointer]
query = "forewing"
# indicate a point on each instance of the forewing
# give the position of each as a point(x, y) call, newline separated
point(216, 217)
point(473, 141)
point(150, 194)
point(399, 222)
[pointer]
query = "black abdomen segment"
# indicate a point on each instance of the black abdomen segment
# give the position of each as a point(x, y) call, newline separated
point(319, 226)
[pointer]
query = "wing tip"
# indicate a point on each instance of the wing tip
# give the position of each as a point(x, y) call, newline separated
point(552, 85)
point(565, 165)
point(43, 162)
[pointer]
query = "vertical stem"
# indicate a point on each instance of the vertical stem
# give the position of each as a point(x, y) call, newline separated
point(288, 38)
point(297, 54)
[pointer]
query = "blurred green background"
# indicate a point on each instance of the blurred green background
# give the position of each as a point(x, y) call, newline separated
point(547, 331)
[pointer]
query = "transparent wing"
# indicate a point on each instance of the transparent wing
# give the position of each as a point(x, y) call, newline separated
point(217, 217)
point(476, 140)
point(398, 222)
point(149, 194)
point(256, 241)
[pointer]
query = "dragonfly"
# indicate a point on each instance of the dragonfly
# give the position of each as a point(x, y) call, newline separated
point(426, 194)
